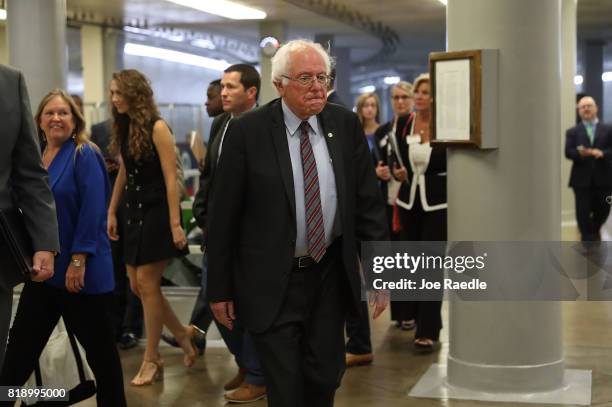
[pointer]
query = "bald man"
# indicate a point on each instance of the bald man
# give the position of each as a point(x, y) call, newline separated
point(589, 146)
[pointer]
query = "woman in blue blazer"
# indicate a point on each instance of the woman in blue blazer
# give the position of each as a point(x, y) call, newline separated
point(80, 291)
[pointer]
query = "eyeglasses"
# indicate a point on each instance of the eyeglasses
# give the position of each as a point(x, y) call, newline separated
point(308, 80)
point(401, 97)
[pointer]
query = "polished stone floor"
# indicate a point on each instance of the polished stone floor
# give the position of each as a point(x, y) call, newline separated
point(587, 339)
point(587, 330)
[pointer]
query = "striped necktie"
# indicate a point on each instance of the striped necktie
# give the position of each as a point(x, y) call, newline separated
point(315, 230)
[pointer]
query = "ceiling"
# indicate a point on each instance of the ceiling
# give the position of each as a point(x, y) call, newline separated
point(420, 24)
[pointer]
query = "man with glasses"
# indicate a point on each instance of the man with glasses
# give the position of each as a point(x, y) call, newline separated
point(589, 146)
point(283, 234)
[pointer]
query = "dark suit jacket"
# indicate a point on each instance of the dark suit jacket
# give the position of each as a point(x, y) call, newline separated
point(252, 227)
point(590, 171)
point(200, 203)
point(23, 180)
point(101, 135)
point(334, 98)
point(435, 175)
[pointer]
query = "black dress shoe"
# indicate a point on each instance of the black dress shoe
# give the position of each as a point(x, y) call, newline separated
point(171, 340)
point(128, 341)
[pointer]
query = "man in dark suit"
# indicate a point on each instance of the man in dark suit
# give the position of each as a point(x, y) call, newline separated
point(294, 193)
point(589, 146)
point(332, 95)
point(23, 185)
point(239, 90)
point(128, 313)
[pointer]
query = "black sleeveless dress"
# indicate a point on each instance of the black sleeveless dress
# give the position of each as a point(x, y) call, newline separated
point(147, 237)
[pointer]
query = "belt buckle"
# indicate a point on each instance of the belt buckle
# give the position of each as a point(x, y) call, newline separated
point(303, 262)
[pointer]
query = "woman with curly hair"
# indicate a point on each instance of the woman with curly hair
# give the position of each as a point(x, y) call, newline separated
point(152, 230)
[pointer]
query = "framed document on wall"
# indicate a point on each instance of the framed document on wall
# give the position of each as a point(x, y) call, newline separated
point(457, 91)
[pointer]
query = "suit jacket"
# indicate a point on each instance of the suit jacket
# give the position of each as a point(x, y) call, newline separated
point(252, 227)
point(590, 171)
point(82, 191)
point(200, 203)
point(23, 180)
point(101, 135)
point(334, 98)
point(434, 179)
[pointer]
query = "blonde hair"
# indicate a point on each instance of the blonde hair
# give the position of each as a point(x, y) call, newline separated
point(80, 135)
point(419, 80)
point(405, 86)
point(361, 101)
point(136, 90)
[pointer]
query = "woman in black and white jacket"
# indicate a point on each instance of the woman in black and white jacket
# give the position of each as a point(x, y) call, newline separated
point(421, 168)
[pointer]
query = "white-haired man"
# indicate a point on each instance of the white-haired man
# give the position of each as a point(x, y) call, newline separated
point(283, 233)
point(589, 146)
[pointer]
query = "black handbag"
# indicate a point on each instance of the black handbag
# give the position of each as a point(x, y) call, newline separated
point(15, 249)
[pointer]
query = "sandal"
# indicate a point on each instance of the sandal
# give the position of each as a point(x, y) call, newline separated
point(426, 345)
point(154, 372)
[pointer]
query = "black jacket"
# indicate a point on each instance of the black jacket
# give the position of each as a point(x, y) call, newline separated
point(590, 171)
point(252, 226)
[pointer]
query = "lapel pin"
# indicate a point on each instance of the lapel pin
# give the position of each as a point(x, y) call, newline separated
point(330, 135)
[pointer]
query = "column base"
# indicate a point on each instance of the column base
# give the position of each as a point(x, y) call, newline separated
point(575, 390)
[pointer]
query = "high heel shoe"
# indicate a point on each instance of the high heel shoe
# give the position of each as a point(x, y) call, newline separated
point(196, 335)
point(155, 372)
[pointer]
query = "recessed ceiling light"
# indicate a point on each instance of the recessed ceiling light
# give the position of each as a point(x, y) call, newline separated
point(223, 8)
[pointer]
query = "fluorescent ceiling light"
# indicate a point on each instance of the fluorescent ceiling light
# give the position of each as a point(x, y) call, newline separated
point(2, 14)
point(391, 80)
point(175, 56)
point(367, 89)
point(223, 8)
point(606, 76)
point(578, 79)
point(203, 43)
point(445, 2)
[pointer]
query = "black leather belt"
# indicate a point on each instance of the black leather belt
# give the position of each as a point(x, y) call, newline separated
point(303, 262)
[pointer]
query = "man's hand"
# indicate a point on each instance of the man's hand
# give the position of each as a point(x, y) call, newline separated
point(597, 153)
point(379, 299)
point(382, 171)
point(42, 266)
point(224, 313)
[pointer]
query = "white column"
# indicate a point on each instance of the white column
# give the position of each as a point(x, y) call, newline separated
point(92, 61)
point(37, 44)
point(4, 57)
point(568, 100)
point(507, 194)
point(278, 30)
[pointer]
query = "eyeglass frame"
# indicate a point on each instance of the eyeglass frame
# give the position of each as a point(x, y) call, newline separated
point(311, 80)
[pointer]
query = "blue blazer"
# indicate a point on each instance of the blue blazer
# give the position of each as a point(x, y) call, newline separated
point(81, 189)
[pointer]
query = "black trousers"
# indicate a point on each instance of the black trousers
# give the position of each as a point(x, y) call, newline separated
point(86, 316)
point(419, 225)
point(302, 353)
point(592, 210)
point(358, 331)
point(400, 310)
point(127, 308)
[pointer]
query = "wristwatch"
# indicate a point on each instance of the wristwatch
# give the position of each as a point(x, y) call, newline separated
point(77, 262)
